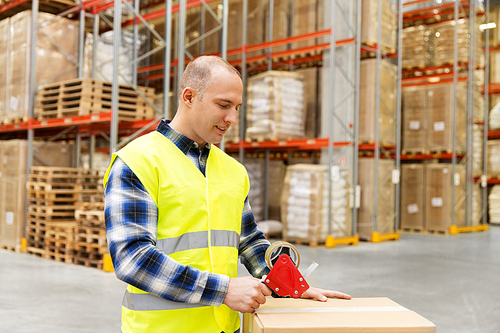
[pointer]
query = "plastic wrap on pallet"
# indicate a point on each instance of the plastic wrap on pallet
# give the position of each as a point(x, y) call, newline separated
point(256, 174)
point(367, 96)
point(445, 33)
point(275, 106)
point(369, 24)
point(4, 63)
point(386, 197)
point(477, 151)
point(105, 54)
point(52, 65)
point(418, 47)
point(440, 117)
point(494, 121)
point(493, 168)
point(438, 205)
point(412, 196)
point(304, 204)
point(414, 114)
point(494, 205)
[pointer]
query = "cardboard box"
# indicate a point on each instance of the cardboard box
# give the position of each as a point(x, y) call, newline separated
point(418, 47)
point(287, 315)
point(369, 24)
point(367, 98)
point(412, 196)
point(386, 198)
point(304, 204)
point(414, 114)
point(493, 167)
point(439, 207)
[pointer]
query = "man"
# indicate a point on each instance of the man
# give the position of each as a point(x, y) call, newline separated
point(178, 217)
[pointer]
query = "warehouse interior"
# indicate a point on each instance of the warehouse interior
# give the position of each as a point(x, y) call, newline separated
point(370, 131)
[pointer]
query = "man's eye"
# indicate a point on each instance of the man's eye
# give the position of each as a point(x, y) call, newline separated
point(223, 106)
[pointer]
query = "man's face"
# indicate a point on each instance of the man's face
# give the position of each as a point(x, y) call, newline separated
point(211, 117)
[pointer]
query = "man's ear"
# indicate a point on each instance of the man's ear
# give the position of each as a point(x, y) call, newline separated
point(188, 95)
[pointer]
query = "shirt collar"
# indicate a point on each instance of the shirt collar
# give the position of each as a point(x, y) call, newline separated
point(181, 141)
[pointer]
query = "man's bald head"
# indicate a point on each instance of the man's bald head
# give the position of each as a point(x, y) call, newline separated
point(198, 73)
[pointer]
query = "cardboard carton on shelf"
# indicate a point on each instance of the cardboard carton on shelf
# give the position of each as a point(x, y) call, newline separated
point(361, 315)
point(412, 197)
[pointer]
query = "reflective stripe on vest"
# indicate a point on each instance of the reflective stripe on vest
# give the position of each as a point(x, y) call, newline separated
point(198, 240)
point(148, 302)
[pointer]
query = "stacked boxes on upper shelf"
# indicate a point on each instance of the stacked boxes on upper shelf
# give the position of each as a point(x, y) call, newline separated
point(13, 166)
point(51, 63)
point(304, 204)
point(275, 106)
point(386, 198)
point(387, 106)
point(418, 47)
point(370, 28)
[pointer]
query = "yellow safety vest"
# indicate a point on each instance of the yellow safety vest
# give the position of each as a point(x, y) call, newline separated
point(199, 224)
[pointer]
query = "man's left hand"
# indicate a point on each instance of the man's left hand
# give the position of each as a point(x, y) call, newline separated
point(322, 294)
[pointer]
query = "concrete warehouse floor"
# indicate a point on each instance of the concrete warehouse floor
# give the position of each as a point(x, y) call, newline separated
point(454, 281)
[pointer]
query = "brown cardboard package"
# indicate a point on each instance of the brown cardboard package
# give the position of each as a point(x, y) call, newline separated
point(4, 64)
point(386, 198)
point(418, 47)
point(440, 117)
point(367, 97)
point(361, 315)
point(412, 196)
point(304, 204)
point(439, 207)
point(493, 168)
point(13, 183)
point(414, 119)
point(369, 24)
point(50, 60)
point(312, 101)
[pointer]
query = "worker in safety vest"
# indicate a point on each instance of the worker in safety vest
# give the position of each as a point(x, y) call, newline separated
point(178, 217)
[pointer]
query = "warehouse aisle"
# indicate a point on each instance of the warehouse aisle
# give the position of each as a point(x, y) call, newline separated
point(450, 280)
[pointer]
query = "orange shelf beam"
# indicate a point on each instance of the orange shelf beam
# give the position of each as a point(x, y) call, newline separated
point(300, 144)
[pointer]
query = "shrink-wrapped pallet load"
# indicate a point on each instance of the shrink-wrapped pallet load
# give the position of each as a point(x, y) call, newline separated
point(494, 118)
point(14, 154)
point(445, 33)
point(52, 65)
point(440, 115)
point(256, 174)
point(494, 205)
point(304, 204)
point(412, 197)
point(418, 47)
point(367, 95)
point(477, 151)
point(439, 207)
point(4, 64)
point(386, 198)
point(495, 66)
point(493, 167)
point(369, 24)
point(414, 114)
point(275, 106)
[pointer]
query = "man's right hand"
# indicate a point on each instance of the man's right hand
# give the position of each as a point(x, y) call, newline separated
point(246, 294)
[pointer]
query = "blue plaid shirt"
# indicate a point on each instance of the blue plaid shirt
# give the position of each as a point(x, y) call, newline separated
point(131, 227)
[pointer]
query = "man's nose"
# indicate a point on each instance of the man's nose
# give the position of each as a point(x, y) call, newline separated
point(231, 116)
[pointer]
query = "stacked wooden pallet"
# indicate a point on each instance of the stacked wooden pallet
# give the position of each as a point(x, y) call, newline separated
point(54, 194)
point(90, 236)
point(86, 96)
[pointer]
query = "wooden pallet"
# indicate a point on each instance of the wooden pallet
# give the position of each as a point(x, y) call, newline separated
point(36, 251)
point(54, 174)
point(90, 218)
point(95, 263)
point(88, 96)
point(91, 235)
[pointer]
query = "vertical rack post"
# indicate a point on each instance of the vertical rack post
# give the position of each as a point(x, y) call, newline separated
point(486, 117)
point(330, 114)
point(81, 39)
point(454, 126)
point(135, 44)
point(398, 112)
point(181, 38)
point(355, 166)
point(244, 80)
point(270, 35)
point(224, 46)
point(469, 180)
point(95, 36)
point(377, 116)
point(117, 25)
point(166, 60)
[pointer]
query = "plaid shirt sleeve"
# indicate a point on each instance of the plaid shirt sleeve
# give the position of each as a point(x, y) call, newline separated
point(253, 244)
point(131, 226)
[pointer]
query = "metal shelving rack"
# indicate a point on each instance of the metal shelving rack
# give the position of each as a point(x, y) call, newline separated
point(452, 11)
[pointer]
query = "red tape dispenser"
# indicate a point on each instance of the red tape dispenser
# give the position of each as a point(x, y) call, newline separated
point(284, 278)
